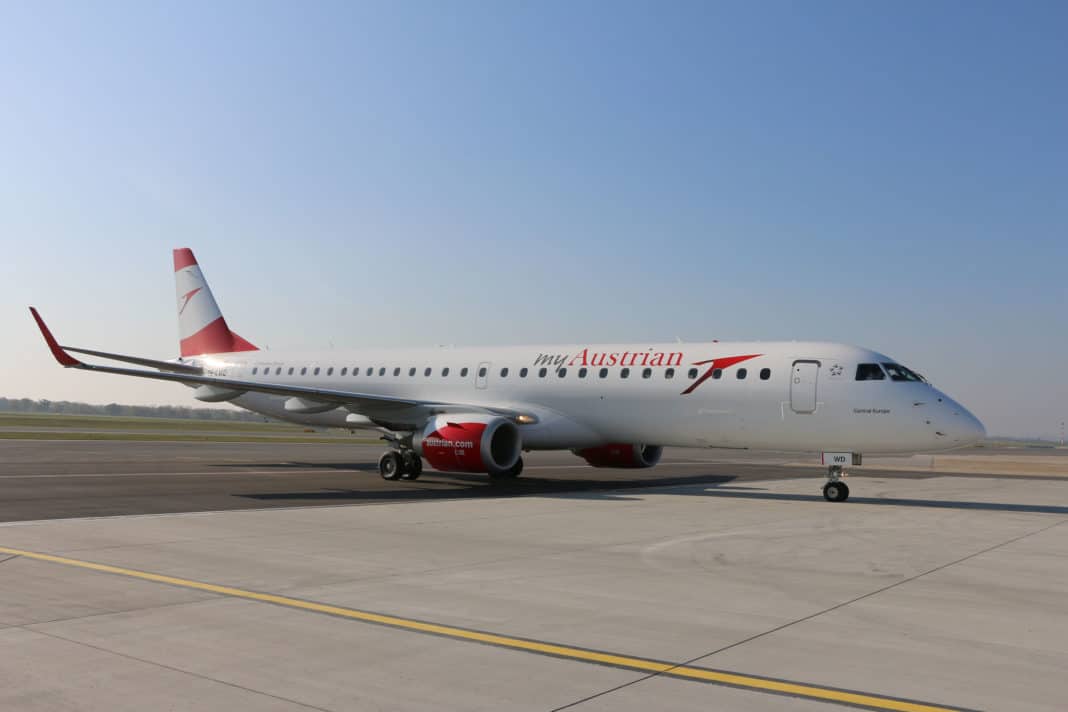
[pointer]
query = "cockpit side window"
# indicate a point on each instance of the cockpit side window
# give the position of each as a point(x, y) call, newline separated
point(869, 372)
point(900, 373)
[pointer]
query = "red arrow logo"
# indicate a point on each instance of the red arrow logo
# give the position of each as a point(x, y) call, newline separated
point(714, 365)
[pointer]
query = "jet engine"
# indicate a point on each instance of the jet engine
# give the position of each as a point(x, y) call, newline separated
point(621, 455)
point(470, 442)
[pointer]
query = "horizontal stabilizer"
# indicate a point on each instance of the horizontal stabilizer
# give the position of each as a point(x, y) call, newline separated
point(161, 365)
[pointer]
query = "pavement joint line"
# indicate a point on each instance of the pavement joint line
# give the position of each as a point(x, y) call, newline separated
point(676, 670)
point(817, 614)
point(179, 670)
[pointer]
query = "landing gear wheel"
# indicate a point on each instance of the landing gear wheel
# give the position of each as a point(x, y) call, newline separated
point(511, 473)
point(835, 492)
point(413, 466)
point(391, 466)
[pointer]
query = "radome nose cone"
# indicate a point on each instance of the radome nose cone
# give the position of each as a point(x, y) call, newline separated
point(957, 424)
point(976, 431)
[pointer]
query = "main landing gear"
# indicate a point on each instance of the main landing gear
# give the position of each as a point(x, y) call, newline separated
point(400, 465)
point(835, 490)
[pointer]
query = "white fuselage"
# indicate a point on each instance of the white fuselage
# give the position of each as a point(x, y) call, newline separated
point(802, 396)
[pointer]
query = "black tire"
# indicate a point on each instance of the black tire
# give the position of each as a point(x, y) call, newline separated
point(391, 466)
point(511, 473)
point(413, 466)
point(836, 492)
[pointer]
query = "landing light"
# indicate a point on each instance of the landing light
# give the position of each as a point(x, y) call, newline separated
point(524, 419)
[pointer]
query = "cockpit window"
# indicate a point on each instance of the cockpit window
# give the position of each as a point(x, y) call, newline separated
point(869, 372)
point(900, 373)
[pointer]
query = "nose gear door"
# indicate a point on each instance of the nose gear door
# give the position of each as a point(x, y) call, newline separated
point(803, 386)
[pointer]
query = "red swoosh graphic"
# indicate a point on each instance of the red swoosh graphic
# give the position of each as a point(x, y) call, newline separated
point(719, 363)
point(187, 296)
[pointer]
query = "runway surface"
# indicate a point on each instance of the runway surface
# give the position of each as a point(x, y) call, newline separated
point(60, 479)
point(720, 580)
point(44, 480)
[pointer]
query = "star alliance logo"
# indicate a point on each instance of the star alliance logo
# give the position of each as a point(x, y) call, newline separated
point(836, 370)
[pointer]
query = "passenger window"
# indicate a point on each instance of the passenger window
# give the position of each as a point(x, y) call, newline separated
point(345, 371)
point(316, 372)
point(290, 370)
point(603, 373)
point(304, 371)
point(411, 371)
point(561, 372)
point(253, 371)
point(463, 372)
point(330, 371)
point(742, 373)
point(355, 371)
point(523, 372)
point(396, 372)
point(669, 374)
point(869, 372)
point(582, 373)
point(482, 372)
point(371, 371)
point(717, 374)
point(765, 374)
point(382, 371)
point(278, 371)
point(504, 373)
point(646, 372)
point(542, 372)
point(692, 374)
point(444, 372)
point(426, 372)
point(624, 373)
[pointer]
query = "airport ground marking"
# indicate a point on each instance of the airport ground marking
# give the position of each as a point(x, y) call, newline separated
point(676, 670)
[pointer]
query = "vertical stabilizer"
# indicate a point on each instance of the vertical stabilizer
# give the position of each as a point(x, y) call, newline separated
point(201, 326)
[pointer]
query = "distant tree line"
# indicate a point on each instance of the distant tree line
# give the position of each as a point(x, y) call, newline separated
point(27, 405)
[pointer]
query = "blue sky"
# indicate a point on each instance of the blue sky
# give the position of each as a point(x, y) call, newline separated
point(891, 175)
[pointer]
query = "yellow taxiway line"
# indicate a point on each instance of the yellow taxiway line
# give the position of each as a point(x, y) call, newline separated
point(686, 672)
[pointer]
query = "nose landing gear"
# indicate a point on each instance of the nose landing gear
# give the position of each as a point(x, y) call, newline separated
point(835, 490)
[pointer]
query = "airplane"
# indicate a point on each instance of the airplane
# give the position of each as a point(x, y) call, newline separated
point(477, 410)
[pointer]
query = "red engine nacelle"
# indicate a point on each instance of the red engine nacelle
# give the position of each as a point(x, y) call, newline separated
point(622, 455)
point(470, 442)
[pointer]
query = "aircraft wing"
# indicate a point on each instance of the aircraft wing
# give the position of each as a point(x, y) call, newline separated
point(389, 408)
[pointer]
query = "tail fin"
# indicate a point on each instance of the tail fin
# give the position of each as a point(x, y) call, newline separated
point(201, 326)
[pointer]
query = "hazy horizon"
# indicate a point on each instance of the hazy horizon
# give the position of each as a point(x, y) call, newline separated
point(404, 174)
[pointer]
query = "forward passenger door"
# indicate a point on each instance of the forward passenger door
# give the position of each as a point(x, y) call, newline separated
point(803, 382)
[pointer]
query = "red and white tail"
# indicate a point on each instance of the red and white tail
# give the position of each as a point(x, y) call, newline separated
point(201, 326)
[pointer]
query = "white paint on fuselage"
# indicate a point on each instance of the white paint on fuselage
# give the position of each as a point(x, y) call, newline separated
point(860, 416)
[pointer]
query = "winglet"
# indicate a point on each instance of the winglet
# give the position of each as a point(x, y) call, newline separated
point(64, 358)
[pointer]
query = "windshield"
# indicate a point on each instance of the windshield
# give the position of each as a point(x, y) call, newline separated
point(900, 373)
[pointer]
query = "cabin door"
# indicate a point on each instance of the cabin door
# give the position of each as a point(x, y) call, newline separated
point(803, 386)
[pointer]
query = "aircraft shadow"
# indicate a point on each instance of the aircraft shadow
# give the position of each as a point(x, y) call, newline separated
point(458, 485)
point(738, 493)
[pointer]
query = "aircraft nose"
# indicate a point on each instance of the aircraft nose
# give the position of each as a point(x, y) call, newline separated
point(962, 426)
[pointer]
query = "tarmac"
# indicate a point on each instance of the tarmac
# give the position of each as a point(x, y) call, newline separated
point(719, 580)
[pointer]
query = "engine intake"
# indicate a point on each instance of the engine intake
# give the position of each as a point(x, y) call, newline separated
point(622, 455)
point(470, 442)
